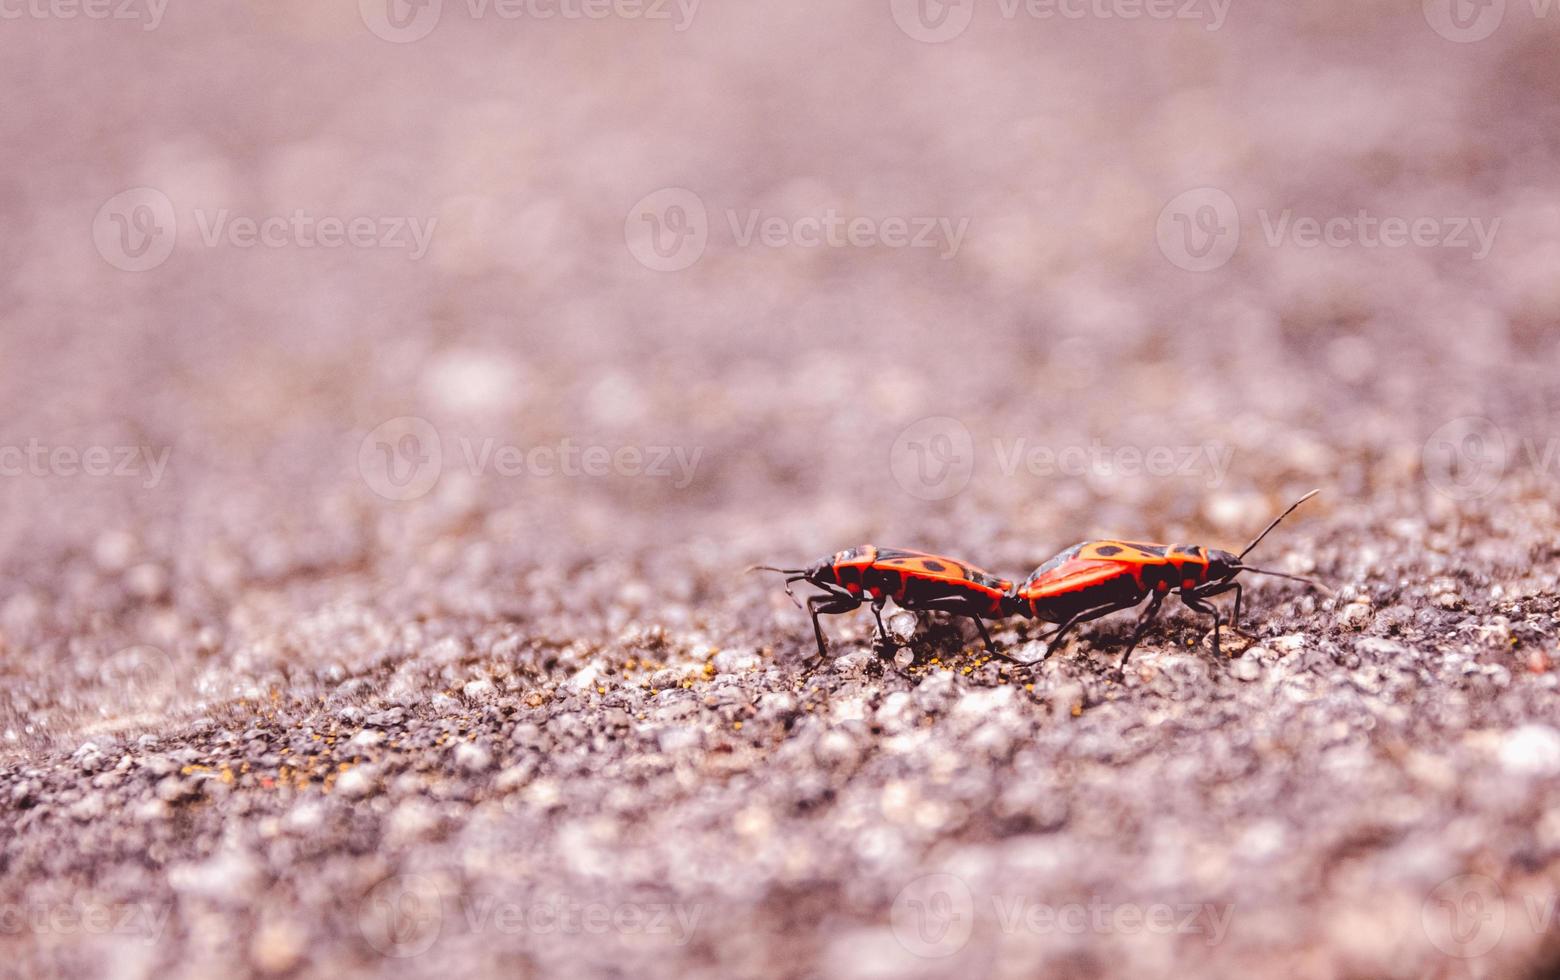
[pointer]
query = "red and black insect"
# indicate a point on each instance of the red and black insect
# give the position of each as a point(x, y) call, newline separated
point(1097, 578)
point(913, 579)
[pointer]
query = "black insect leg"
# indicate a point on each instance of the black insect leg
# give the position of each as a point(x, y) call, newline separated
point(877, 614)
point(956, 606)
point(1144, 622)
point(830, 603)
point(1054, 641)
point(1086, 616)
point(981, 626)
point(1202, 605)
point(1209, 591)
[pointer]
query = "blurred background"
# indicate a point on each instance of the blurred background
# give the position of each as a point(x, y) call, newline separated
point(355, 352)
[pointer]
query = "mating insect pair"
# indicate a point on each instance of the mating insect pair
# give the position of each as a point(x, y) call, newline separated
point(1084, 582)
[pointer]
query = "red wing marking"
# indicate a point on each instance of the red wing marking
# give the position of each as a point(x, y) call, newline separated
point(1076, 574)
point(938, 568)
point(1127, 551)
point(927, 566)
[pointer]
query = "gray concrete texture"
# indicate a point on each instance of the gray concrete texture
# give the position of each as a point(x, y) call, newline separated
point(394, 395)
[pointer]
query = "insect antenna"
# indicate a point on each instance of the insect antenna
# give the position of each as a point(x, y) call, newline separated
point(1258, 539)
point(791, 575)
point(1313, 583)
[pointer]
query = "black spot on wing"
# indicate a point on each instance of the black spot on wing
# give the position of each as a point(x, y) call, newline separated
point(933, 565)
point(1107, 550)
point(1151, 550)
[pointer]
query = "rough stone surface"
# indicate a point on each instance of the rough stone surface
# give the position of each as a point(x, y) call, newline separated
point(261, 715)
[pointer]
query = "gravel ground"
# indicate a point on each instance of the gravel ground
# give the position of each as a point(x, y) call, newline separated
point(378, 608)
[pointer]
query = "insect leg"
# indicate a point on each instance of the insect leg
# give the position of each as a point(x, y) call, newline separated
point(956, 606)
point(830, 603)
point(1087, 615)
point(979, 625)
point(877, 613)
point(1202, 605)
point(1143, 623)
point(1234, 620)
point(1054, 640)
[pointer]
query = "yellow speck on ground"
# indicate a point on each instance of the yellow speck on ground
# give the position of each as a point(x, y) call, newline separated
point(1077, 709)
point(737, 725)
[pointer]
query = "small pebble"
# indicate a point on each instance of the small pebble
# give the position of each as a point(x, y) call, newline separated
point(901, 625)
point(355, 783)
point(1355, 615)
point(472, 757)
point(1531, 750)
point(277, 947)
